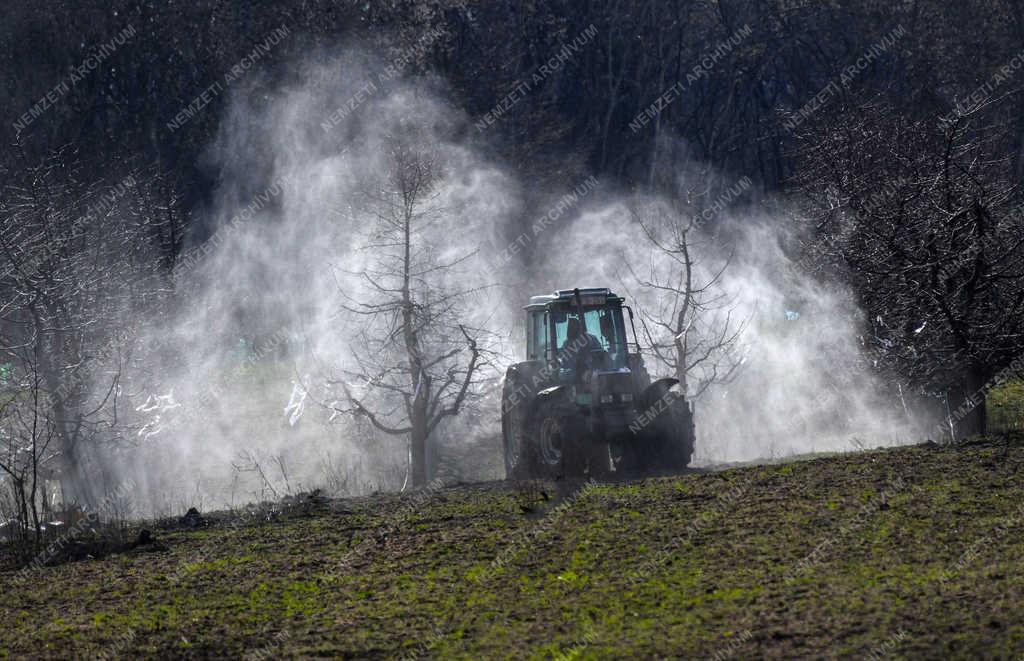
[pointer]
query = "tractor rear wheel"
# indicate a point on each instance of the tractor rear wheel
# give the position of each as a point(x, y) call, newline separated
point(517, 455)
point(550, 439)
point(515, 436)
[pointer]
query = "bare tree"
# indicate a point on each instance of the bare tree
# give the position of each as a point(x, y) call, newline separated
point(79, 262)
point(27, 459)
point(924, 219)
point(691, 327)
point(420, 361)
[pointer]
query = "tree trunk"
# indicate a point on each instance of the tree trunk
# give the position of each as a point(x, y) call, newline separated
point(74, 484)
point(419, 453)
point(681, 367)
point(976, 420)
point(418, 422)
point(418, 437)
point(420, 382)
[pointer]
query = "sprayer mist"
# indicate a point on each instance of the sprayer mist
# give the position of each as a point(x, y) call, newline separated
point(242, 388)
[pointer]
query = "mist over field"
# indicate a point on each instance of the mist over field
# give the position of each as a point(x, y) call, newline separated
point(248, 371)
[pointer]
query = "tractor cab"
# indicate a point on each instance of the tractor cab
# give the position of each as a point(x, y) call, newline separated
point(580, 330)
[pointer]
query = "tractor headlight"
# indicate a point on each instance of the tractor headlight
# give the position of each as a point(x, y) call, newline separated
point(607, 399)
point(627, 397)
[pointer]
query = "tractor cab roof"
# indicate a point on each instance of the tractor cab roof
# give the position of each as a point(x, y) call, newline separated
point(588, 295)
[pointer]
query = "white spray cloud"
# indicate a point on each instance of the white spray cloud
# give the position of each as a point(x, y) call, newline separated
point(250, 354)
point(802, 386)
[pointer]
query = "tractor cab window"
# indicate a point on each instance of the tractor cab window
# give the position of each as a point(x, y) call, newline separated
point(539, 337)
point(606, 336)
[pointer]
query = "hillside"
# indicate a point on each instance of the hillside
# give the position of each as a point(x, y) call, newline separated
point(912, 551)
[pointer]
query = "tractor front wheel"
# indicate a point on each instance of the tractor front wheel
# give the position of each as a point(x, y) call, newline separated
point(665, 444)
point(599, 461)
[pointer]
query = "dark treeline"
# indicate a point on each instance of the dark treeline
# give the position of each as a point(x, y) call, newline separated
point(731, 75)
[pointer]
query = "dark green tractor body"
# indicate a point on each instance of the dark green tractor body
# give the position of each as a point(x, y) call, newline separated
point(582, 403)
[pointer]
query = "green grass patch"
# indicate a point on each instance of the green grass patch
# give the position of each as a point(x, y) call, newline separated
point(819, 558)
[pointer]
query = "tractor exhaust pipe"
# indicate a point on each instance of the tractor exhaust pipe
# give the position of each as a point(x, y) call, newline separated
point(579, 310)
point(583, 332)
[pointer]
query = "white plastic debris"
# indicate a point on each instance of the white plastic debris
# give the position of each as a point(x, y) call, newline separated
point(296, 404)
point(158, 403)
point(151, 428)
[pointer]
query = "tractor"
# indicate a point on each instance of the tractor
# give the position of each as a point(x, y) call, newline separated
point(582, 403)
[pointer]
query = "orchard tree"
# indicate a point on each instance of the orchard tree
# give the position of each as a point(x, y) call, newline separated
point(420, 360)
point(691, 325)
point(923, 216)
point(80, 260)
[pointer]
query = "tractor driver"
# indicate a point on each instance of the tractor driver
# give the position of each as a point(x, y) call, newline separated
point(575, 345)
point(608, 332)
